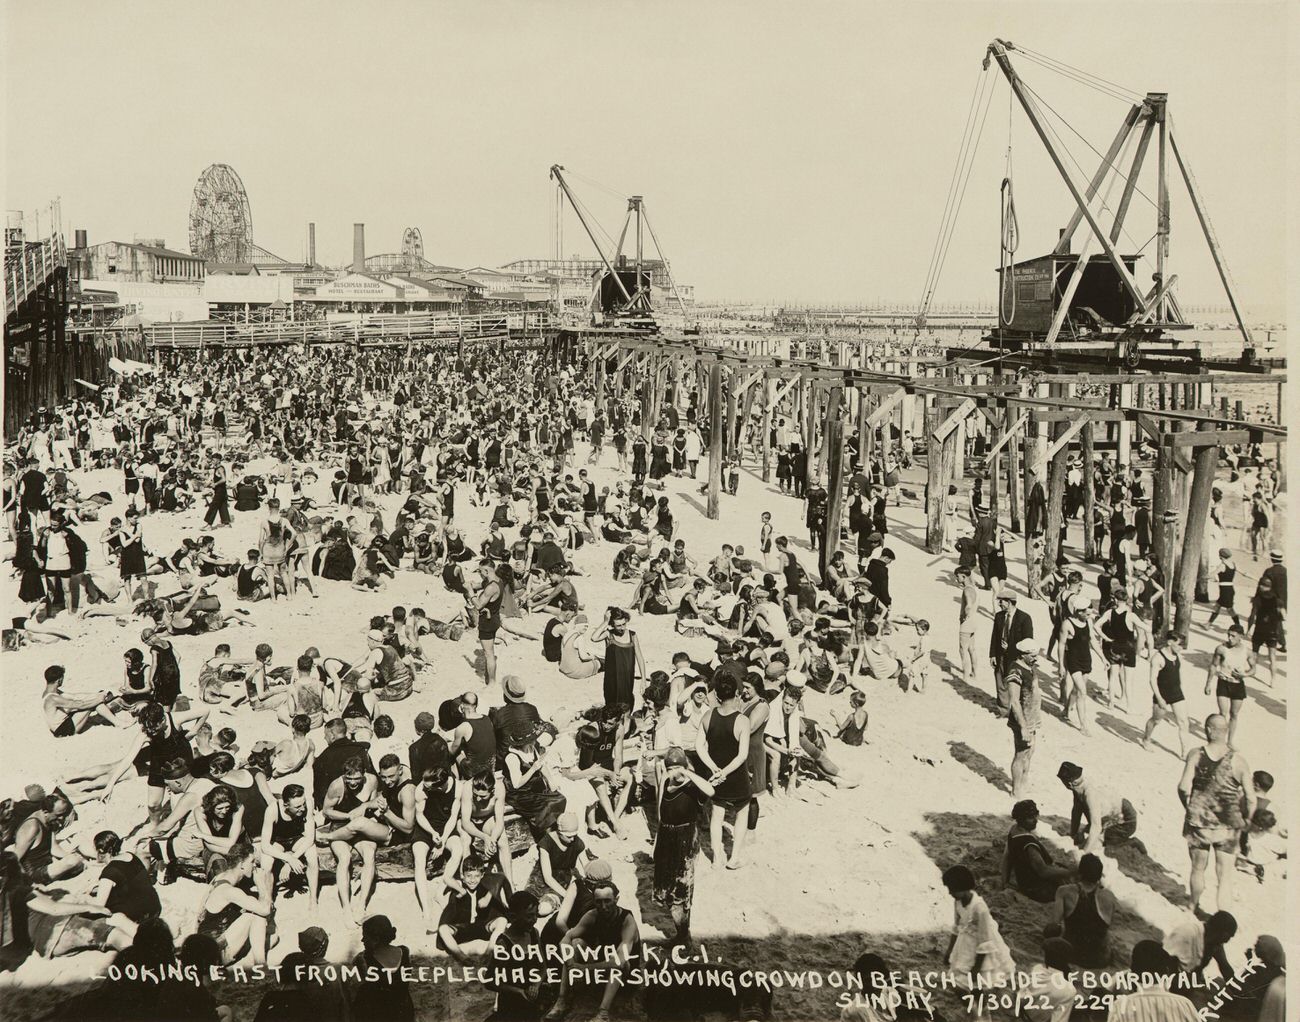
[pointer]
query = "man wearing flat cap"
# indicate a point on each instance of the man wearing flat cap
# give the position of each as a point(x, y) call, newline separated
point(1024, 700)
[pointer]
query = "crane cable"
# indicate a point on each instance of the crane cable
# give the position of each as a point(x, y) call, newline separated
point(1010, 237)
point(974, 131)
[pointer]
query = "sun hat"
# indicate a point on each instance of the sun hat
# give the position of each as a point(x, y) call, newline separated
point(1027, 647)
point(514, 688)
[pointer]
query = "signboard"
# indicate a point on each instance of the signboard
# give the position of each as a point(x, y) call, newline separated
point(359, 287)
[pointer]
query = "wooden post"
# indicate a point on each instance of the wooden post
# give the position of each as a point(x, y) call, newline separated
point(991, 467)
point(1089, 495)
point(715, 438)
point(1197, 511)
point(1035, 463)
point(1278, 460)
point(865, 402)
point(1124, 438)
point(767, 384)
point(1164, 534)
point(936, 485)
point(647, 396)
point(746, 411)
point(1013, 481)
point(1055, 499)
point(729, 437)
point(811, 399)
point(600, 379)
point(835, 467)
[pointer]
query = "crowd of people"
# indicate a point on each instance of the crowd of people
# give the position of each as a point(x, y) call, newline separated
point(357, 468)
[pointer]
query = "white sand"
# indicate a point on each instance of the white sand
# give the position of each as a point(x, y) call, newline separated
point(859, 861)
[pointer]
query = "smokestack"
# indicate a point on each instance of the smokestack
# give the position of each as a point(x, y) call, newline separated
point(311, 244)
point(80, 239)
point(358, 248)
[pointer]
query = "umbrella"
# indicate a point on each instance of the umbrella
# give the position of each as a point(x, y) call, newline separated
point(134, 320)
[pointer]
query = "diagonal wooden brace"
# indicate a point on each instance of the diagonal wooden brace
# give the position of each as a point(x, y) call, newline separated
point(956, 418)
point(1075, 425)
point(1011, 431)
point(882, 410)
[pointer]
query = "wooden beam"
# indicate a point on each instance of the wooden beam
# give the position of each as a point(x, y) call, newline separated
point(1181, 461)
point(950, 423)
point(1046, 415)
point(1064, 438)
point(753, 377)
point(1211, 438)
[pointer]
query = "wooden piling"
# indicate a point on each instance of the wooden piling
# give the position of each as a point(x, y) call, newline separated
point(767, 383)
point(1089, 494)
point(1055, 498)
point(1197, 510)
point(835, 467)
point(715, 438)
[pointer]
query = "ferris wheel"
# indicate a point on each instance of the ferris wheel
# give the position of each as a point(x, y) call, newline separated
point(413, 245)
point(221, 224)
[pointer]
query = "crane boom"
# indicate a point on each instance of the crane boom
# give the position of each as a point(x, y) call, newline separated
point(556, 170)
point(998, 50)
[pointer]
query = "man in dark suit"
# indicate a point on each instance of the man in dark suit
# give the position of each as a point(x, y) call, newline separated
point(878, 576)
point(1010, 626)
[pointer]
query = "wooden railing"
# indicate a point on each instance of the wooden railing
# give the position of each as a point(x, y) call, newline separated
point(394, 328)
point(28, 267)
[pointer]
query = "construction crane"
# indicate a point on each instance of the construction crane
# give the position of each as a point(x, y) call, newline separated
point(625, 294)
point(1084, 297)
point(1146, 314)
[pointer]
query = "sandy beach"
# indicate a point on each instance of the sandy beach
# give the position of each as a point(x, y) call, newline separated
point(833, 874)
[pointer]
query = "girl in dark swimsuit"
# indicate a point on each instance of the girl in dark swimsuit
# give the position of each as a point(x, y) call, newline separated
point(1077, 641)
point(1167, 692)
point(487, 602)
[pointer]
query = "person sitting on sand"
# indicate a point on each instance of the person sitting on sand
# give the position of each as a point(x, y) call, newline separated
point(1196, 943)
point(382, 994)
point(124, 887)
point(295, 752)
point(237, 919)
point(473, 913)
point(289, 842)
point(67, 715)
point(578, 658)
point(347, 802)
point(1083, 913)
point(44, 859)
point(1027, 865)
point(609, 934)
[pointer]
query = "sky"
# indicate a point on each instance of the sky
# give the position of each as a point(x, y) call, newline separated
point(786, 152)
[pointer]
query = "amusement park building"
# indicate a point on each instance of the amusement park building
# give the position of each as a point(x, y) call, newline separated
point(144, 264)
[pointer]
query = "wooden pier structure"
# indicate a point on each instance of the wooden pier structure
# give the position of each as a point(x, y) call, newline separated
point(1033, 422)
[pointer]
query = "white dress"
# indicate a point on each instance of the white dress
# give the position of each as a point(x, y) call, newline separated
point(978, 934)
